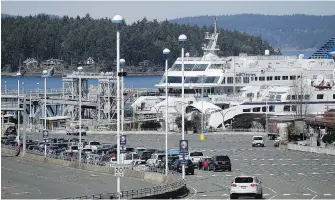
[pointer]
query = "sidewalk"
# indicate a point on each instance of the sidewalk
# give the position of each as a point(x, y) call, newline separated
point(319, 150)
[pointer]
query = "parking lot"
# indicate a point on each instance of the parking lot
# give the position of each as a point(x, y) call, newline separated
point(285, 174)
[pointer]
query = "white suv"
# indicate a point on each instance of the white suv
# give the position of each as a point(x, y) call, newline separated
point(249, 186)
point(258, 141)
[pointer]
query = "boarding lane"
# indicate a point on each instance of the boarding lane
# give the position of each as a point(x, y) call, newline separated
point(285, 174)
point(23, 179)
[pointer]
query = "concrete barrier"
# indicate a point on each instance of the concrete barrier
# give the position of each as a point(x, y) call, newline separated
point(319, 150)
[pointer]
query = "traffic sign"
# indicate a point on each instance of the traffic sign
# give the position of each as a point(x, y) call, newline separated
point(119, 171)
point(123, 149)
point(45, 133)
point(80, 145)
point(123, 140)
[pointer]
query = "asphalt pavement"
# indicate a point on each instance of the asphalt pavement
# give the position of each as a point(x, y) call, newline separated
point(284, 174)
point(22, 179)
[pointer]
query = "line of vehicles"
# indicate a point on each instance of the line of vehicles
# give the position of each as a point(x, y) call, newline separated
point(142, 158)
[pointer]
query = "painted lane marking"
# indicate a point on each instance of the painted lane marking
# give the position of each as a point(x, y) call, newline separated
point(224, 195)
point(286, 194)
point(204, 195)
point(235, 159)
point(199, 176)
point(271, 174)
point(195, 192)
point(286, 173)
point(280, 159)
point(302, 174)
point(18, 193)
point(213, 175)
point(316, 159)
point(254, 159)
point(228, 175)
point(294, 164)
point(262, 159)
point(325, 164)
point(283, 164)
point(245, 159)
point(306, 194)
point(313, 192)
point(315, 173)
point(273, 192)
point(265, 194)
point(306, 159)
point(289, 159)
point(330, 172)
point(327, 194)
point(274, 164)
point(270, 159)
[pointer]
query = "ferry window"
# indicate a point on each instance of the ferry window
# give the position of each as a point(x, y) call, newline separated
point(294, 97)
point(319, 96)
point(333, 96)
point(284, 77)
point(191, 79)
point(271, 108)
point(256, 78)
point(188, 67)
point(264, 109)
point(288, 97)
point(294, 108)
point(278, 97)
point(277, 78)
point(298, 76)
point(272, 97)
point(250, 94)
point(230, 80)
point(176, 67)
point(238, 80)
point(287, 108)
point(223, 80)
point(246, 110)
point(174, 79)
point(292, 77)
point(252, 78)
point(307, 96)
point(210, 79)
point(258, 109)
point(269, 78)
point(262, 78)
point(245, 79)
point(300, 97)
point(200, 67)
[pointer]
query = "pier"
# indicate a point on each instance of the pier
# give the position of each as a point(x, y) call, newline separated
point(98, 102)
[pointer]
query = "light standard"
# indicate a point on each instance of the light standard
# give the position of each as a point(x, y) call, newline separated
point(45, 75)
point(266, 114)
point(80, 69)
point(38, 89)
point(30, 110)
point(182, 40)
point(122, 63)
point(18, 74)
point(118, 19)
point(166, 53)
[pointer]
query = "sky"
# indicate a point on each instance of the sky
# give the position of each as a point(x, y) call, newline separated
point(161, 10)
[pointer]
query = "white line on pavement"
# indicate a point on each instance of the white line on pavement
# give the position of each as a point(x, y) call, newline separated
point(224, 195)
point(306, 194)
point(271, 174)
point(204, 195)
point(327, 194)
point(286, 194)
point(315, 173)
point(195, 192)
point(265, 194)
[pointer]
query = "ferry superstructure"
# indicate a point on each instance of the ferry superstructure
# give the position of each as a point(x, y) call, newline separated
point(214, 83)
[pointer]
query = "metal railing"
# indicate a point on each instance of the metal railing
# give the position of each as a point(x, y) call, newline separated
point(33, 92)
point(127, 194)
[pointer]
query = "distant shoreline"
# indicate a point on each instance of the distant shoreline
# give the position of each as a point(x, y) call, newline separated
point(12, 74)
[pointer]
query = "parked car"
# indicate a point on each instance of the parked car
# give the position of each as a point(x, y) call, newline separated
point(220, 162)
point(249, 186)
point(189, 166)
point(258, 141)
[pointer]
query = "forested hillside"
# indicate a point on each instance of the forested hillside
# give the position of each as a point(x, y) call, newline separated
point(288, 31)
point(75, 39)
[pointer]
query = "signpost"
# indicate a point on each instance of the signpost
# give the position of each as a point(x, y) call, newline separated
point(119, 170)
point(80, 145)
point(123, 144)
point(45, 137)
point(183, 151)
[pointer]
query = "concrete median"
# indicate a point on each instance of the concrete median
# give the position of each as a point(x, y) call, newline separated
point(319, 150)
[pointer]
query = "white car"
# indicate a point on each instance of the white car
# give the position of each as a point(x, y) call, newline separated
point(258, 141)
point(249, 186)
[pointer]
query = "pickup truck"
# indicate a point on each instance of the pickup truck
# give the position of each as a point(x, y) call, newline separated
point(94, 145)
point(195, 157)
point(155, 159)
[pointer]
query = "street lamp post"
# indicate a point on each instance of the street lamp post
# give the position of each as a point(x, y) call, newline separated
point(45, 75)
point(18, 107)
point(166, 52)
point(182, 40)
point(118, 19)
point(30, 110)
point(80, 69)
point(122, 63)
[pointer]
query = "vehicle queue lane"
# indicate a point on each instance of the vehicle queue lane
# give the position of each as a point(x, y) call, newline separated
point(285, 174)
point(22, 179)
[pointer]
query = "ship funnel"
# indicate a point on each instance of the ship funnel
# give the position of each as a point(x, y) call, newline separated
point(267, 52)
point(301, 56)
point(333, 54)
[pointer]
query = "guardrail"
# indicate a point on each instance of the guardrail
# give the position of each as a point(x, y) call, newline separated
point(32, 92)
point(173, 186)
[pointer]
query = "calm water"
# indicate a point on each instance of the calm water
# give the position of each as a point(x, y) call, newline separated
point(31, 82)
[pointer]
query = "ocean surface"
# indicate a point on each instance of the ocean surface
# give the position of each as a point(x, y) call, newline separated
point(37, 82)
point(31, 82)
